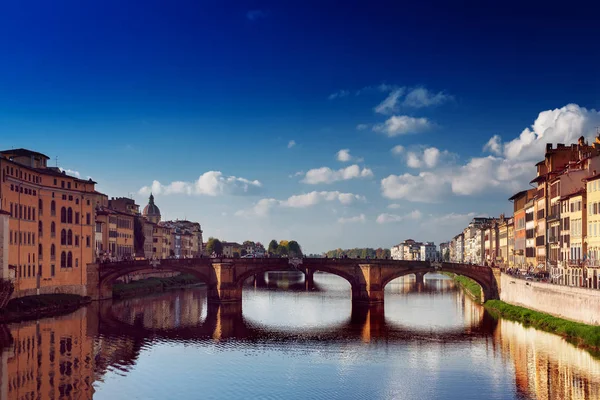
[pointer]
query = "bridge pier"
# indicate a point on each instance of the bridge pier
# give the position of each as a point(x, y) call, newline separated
point(309, 279)
point(226, 288)
point(420, 278)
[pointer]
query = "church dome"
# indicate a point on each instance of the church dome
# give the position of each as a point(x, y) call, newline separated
point(151, 210)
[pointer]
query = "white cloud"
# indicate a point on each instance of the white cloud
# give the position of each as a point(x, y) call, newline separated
point(455, 218)
point(394, 206)
point(402, 125)
point(328, 175)
point(299, 173)
point(349, 220)
point(291, 144)
point(561, 125)
point(362, 127)
point(254, 15)
point(494, 145)
point(420, 97)
point(71, 172)
point(399, 149)
point(338, 95)
point(343, 155)
point(386, 218)
point(211, 183)
point(383, 87)
point(427, 187)
point(481, 174)
point(430, 157)
point(263, 206)
point(390, 103)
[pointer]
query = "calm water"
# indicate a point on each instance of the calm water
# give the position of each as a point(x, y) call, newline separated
point(428, 342)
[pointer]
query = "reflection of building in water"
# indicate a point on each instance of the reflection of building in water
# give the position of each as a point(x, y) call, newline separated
point(51, 358)
point(546, 365)
point(188, 308)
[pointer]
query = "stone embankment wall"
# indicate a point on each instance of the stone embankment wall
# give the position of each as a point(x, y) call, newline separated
point(572, 303)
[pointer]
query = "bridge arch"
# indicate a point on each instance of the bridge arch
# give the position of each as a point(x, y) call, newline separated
point(483, 278)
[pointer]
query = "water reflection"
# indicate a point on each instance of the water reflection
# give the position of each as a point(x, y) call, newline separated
point(426, 342)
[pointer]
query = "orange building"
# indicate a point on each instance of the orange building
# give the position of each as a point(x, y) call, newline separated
point(51, 224)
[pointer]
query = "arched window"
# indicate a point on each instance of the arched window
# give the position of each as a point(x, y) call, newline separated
point(63, 260)
point(63, 215)
point(70, 238)
point(52, 229)
point(53, 208)
point(63, 237)
point(52, 252)
point(40, 207)
point(40, 251)
point(29, 213)
point(70, 215)
point(70, 260)
point(40, 229)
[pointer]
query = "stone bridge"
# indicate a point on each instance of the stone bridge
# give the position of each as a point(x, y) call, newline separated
point(225, 277)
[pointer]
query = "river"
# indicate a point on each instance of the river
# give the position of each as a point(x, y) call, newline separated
point(429, 341)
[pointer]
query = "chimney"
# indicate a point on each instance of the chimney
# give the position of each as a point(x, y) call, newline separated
point(560, 145)
point(548, 146)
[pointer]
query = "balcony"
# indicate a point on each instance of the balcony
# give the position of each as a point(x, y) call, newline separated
point(552, 239)
point(554, 217)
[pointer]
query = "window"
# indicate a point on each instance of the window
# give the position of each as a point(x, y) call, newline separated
point(77, 263)
point(70, 215)
point(76, 199)
point(52, 270)
point(63, 260)
point(33, 214)
point(40, 270)
point(70, 238)
point(63, 215)
point(52, 252)
point(29, 213)
point(87, 241)
point(88, 202)
point(40, 229)
point(63, 237)
point(77, 240)
point(52, 229)
point(87, 219)
point(77, 218)
point(70, 260)
point(62, 184)
point(69, 185)
point(55, 181)
point(40, 252)
point(53, 207)
point(11, 209)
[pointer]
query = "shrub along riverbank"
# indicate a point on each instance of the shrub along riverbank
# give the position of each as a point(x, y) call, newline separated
point(151, 285)
point(574, 332)
point(471, 287)
point(44, 305)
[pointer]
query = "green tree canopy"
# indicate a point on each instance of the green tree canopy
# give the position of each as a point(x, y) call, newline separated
point(281, 250)
point(273, 246)
point(214, 245)
point(294, 249)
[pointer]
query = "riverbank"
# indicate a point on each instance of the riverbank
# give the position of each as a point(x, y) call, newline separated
point(153, 285)
point(471, 288)
point(575, 332)
point(41, 306)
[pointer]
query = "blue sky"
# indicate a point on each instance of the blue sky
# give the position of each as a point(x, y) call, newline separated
point(131, 93)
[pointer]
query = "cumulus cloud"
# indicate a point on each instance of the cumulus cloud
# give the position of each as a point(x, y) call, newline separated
point(561, 125)
point(362, 127)
point(328, 175)
point(351, 220)
point(338, 95)
point(399, 149)
point(254, 15)
point(343, 155)
point(211, 183)
point(494, 145)
point(71, 172)
point(402, 125)
point(263, 206)
point(386, 218)
point(427, 187)
point(390, 103)
point(429, 157)
point(420, 97)
point(291, 144)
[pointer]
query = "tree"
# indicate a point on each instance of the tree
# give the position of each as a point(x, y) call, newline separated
point(214, 246)
point(243, 252)
point(248, 243)
point(138, 236)
point(284, 243)
point(273, 246)
point(447, 255)
point(236, 254)
point(294, 249)
point(281, 250)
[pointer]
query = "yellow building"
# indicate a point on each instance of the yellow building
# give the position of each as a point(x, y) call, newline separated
point(593, 231)
point(574, 247)
point(51, 224)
